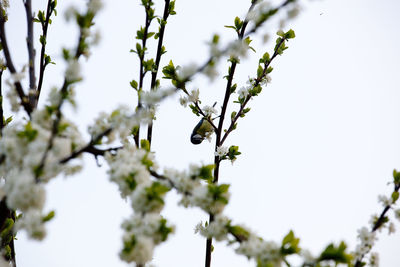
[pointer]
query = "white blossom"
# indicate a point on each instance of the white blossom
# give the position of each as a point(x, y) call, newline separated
point(209, 110)
point(201, 197)
point(127, 169)
point(141, 252)
point(194, 95)
point(385, 200)
point(216, 229)
point(238, 48)
point(221, 151)
point(95, 5)
point(367, 240)
point(73, 71)
point(374, 259)
point(183, 100)
point(186, 72)
point(141, 235)
point(23, 192)
point(243, 92)
point(32, 222)
point(142, 203)
point(261, 250)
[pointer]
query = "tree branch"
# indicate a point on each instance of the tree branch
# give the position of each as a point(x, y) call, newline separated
point(379, 222)
point(219, 131)
point(1, 104)
point(157, 62)
point(90, 148)
point(142, 71)
point(10, 65)
point(31, 53)
point(42, 64)
point(257, 82)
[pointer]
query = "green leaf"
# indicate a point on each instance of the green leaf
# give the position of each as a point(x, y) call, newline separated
point(396, 176)
point(164, 230)
point(239, 232)
point(233, 88)
point(205, 172)
point(290, 34)
point(169, 71)
point(233, 115)
point(42, 40)
point(41, 16)
point(66, 54)
point(134, 84)
point(337, 254)
point(49, 216)
point(238, 23)
point(194, 109)
point(395, 196)
point(8, 120)
point(290, 244)
point(29, 133)
point(145, 144)
point(260, 71)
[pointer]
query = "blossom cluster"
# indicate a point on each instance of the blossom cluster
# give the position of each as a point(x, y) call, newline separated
point(211, 198)
point(29, 162)
point(122, 121)
point(367, 240)
point(142, 234)
point(193, 97)
point(129, 169)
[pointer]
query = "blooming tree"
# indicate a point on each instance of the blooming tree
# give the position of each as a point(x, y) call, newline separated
point(39, 143)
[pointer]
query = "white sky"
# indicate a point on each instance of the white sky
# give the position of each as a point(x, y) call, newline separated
point(318, 146)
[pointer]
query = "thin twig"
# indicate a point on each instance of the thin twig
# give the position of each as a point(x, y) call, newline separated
point(31, 53)
point(157, 62)
point(257, 82)
point(142, 71)
point(1, 104)
point(10, 65)
point(90, 148)
point(379, 222)
point(42, 64)
point(63, 92)
point(219, 132)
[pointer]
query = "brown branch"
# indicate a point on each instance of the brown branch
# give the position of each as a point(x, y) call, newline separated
point(42, 63)
point(157, 62)
point(90, 148)
point(379, 222)
point(10, 65)
point(142, 72)
point(219, 131)
point(257, 82)
point(31, 52)
point(1, 103)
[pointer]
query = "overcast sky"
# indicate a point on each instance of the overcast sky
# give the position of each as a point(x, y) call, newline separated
point(318, 146)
